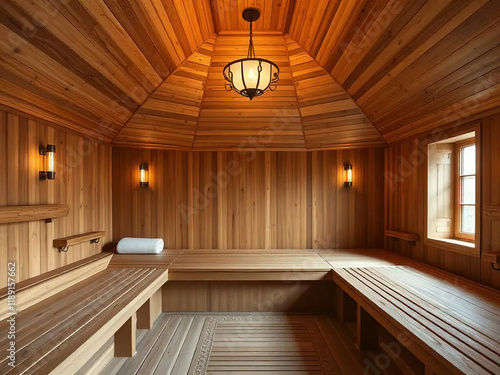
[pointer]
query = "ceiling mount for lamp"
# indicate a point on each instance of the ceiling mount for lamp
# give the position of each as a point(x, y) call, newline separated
point(251, 14)
point(251, 76)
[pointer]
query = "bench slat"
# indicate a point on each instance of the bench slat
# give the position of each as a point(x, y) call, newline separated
point(249, 261)
point(462, 337)
point(44, 286)
point(48, 313)
point(35, 348)
point(161, 260)
point(465, 307)
point(389, 317)
point(32, 281)
point(97, 332)
point(55, 315)
point(440, 344)
point(468, 297)
point(362, 258)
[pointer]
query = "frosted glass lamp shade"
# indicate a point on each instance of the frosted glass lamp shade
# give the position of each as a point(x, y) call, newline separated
point(251, 77)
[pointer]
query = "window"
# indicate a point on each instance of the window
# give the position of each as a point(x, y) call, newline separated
point(451, 194)
point(465, 152)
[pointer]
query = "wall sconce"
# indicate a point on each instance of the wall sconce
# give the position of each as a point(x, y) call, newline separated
point(144, 175)
point(48, 162)
point(348, 175)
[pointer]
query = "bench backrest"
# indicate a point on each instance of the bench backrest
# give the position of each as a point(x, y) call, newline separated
point(34, 290)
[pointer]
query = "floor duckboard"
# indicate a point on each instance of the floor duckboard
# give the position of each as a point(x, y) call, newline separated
point(223, 344)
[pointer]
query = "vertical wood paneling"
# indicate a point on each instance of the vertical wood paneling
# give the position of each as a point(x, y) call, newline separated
point(250, 200)
point(292, 200)
point(336, 210)
point(3, 194)
point(162, 209)
point(490, 178)
point(83, 181)
point(406, 184)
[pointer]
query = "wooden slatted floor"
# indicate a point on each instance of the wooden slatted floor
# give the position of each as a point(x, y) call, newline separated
point(244, 344)
point(231, 344)
point(269, 344)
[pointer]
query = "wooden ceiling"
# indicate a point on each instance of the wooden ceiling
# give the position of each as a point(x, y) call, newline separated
point(168, 118)
point(230, 121)
point(275, 14)
point(410, 65)
point(148, 72)
point(89, 65)
point(330, 118)
point(193, 110)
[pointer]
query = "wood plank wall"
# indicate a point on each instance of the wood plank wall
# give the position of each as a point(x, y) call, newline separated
point(250, 200)
point(83, 181)
point(406, 169)
point(249, 296)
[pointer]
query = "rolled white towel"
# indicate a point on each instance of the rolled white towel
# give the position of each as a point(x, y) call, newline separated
point(130, 245)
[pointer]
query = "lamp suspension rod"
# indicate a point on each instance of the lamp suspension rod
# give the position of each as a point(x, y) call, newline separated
point(251, 49)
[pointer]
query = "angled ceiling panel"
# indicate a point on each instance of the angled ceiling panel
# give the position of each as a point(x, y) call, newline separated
point(168, 118)
point(88, 65)
point(411, 66)
point(230, 121)
point(193, 110)
point(330, 118)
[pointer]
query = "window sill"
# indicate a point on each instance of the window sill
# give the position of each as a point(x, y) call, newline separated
point(457, 246)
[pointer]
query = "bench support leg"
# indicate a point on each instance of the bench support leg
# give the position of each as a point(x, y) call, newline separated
point(125, 338)
point(150, 311)
point(346, 307)
point(366, 337)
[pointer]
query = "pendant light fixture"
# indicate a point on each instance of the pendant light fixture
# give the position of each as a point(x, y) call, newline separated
point(252, 76)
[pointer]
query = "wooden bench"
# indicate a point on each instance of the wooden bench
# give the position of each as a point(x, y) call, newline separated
point(58, 333)
point(64, 317)
point(243, 280)
point(450, 324)
point(232, 265)
point(36, 289)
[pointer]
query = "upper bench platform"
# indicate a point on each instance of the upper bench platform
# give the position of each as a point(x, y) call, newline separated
point(237, 265)
point(247, 265)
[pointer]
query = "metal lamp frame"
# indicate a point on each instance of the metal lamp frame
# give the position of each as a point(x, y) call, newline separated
point(251, 15)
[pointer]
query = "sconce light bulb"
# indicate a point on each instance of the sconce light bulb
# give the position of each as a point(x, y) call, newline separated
point(144, 177)
point(348, 175)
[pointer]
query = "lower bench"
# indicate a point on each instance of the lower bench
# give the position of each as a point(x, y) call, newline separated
point(59, 334)
point(450, 324)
